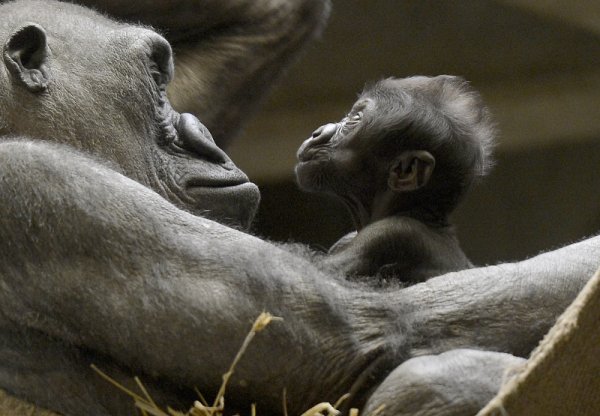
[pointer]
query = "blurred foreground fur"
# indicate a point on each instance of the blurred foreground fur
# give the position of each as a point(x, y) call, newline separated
point(11, 406)
point(148, 407)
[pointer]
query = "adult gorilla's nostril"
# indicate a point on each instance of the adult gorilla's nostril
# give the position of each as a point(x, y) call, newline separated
point(196, 138)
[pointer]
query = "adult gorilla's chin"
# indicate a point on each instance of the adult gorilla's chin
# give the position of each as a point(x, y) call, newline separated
point(234, 205)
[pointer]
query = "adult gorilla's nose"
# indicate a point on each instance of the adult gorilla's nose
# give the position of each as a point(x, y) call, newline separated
point(197, 139)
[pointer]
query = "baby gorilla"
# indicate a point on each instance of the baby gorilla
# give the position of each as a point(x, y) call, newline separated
point(401, 161)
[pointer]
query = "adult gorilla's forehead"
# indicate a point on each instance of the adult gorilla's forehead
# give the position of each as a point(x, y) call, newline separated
point(85, 44)
point(73, 26)
point(57, 17)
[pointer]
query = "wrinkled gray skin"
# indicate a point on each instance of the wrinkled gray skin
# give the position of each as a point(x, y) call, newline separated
point(102, 259)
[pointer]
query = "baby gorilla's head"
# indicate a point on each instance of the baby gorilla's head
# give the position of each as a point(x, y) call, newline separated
point(412, 146)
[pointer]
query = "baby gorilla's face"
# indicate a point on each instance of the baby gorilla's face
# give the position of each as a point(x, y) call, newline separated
point(338, 157)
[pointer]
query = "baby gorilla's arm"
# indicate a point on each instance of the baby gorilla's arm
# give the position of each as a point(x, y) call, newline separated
point(388, 241)
point(399, 247)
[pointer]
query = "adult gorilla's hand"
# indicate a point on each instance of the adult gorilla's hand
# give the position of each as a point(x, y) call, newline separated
point(454, 383)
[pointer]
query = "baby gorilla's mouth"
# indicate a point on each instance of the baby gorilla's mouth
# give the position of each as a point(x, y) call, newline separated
point(313, 153)
point(318, 144)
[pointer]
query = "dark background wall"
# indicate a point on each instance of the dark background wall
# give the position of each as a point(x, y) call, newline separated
point(532, 201)
point(537, 66)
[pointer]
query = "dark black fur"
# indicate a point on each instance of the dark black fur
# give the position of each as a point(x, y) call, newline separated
point(435, 129)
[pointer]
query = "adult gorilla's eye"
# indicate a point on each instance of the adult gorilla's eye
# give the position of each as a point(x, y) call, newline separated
point(160, 62)
point(157, 75)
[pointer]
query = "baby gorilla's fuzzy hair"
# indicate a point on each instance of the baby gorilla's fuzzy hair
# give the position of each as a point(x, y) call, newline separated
point(442, 115)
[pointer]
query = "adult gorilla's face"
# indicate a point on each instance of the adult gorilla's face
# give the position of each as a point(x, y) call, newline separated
point(100, 86)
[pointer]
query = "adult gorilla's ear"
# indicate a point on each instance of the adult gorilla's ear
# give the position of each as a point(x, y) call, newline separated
point(26, 57)
point(410, 171)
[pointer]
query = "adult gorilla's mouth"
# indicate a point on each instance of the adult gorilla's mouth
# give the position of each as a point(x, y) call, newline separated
point(222, 193)
point(232, 204)
point(202, 177)
point(234, 179)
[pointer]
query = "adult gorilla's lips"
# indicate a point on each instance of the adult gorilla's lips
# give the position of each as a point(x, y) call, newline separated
point(201, 174)
point(212, 185)
point(224, 194)
point(234, 205)
point(217, 181)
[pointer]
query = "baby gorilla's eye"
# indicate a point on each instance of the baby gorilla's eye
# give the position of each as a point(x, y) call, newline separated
point(354, 118)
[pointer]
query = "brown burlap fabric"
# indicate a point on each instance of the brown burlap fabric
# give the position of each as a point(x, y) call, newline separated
point(562, 376)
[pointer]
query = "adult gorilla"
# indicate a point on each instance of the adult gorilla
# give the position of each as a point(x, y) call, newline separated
point(99, 263)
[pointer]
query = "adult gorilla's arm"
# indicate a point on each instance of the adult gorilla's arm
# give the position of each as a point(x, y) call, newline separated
point(94, 259)
point(508, 307)
point(227, 53)
point(98, 261)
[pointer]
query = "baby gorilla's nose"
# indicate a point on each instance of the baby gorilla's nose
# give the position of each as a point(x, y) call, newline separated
point(197, 139)
point(320, 136)
point(323, 133)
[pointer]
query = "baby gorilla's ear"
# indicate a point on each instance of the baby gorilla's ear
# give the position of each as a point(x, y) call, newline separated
point(26, 57)
point(410, 170)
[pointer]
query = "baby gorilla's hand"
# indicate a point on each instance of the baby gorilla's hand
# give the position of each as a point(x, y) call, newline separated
point(348, 264)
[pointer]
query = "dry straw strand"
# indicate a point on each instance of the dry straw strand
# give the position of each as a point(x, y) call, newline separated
point(284, 399)
point(322, 409)
point(148, 407)
point(378, 410)
point(260, 323)
point(341, 400)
